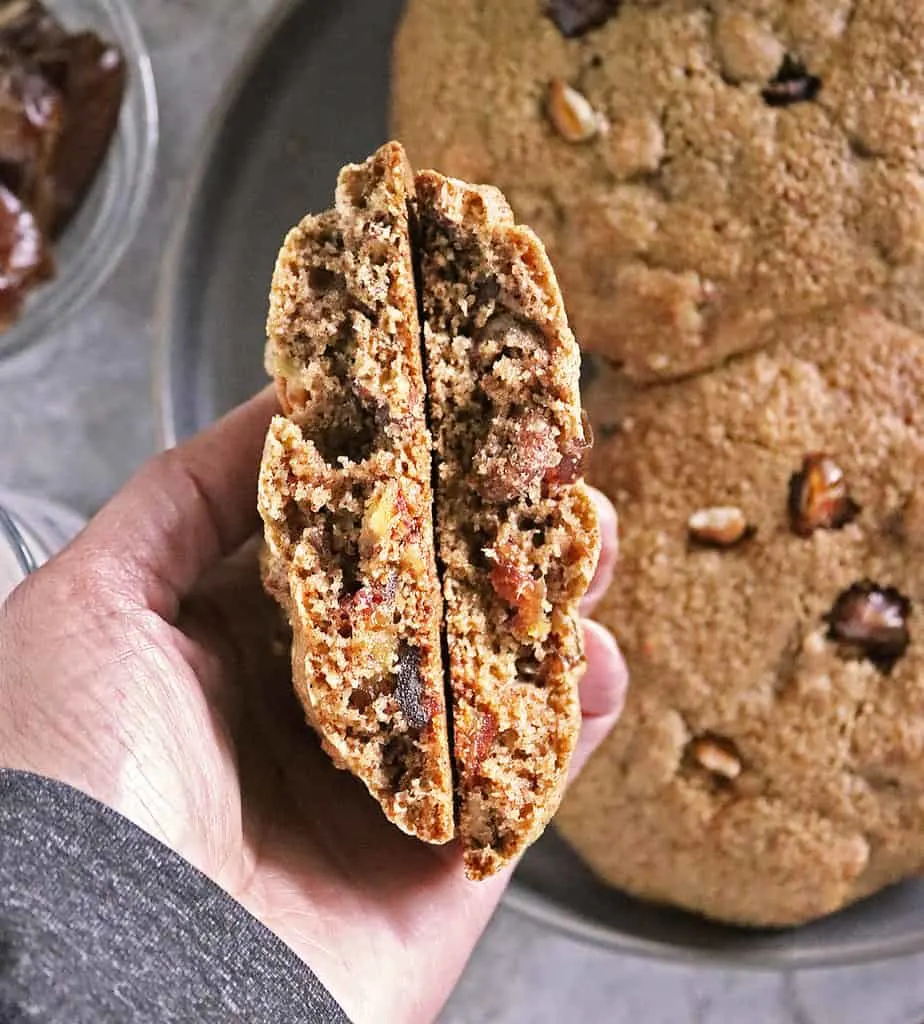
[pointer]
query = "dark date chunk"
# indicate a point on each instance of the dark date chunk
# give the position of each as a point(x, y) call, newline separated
point(409, 687)
point(90, 76)
point(818, 497)
point(576, 17)
point(793, 84)
point(60, 99)
point(871, 621)
point(24, 256)
point(30, 124)
point(27, 25)
point(94, 81)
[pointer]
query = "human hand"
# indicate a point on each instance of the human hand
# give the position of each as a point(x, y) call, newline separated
point(139, 667)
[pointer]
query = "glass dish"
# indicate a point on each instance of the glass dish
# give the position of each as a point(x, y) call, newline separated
point(31, 531)
point(97, 237)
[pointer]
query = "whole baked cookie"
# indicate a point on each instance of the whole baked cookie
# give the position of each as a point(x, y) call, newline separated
point(698, 170)
point(769, 768)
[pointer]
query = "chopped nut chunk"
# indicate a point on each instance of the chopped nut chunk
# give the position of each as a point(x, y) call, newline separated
point(571, 113)
point(872, 621)
point(721, 527)
point(716, 757)
point(818, 497)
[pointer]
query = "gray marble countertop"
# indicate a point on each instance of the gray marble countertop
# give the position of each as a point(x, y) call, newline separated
point(76, 417)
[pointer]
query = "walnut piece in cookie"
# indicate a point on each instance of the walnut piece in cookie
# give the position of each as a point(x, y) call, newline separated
point(515, 584)
point(575, 457)
point(515, 457)
point(717, 756)
point(818, 497)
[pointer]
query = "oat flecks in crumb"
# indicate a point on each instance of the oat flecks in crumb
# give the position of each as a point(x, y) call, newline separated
point(346, 499)
point(517, 535)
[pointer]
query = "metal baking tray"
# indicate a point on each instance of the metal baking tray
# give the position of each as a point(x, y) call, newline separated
point(311, 95)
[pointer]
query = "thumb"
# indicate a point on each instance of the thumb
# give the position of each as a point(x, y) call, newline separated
point(602, 690)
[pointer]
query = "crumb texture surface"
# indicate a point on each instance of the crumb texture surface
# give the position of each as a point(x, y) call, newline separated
point(346, 497)
point(516, 530)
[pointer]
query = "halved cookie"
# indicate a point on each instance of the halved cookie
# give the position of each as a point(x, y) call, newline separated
point(517, 533)
point(349, 509)
point(346, 498)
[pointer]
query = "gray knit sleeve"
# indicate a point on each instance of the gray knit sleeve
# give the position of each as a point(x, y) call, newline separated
point(99, 922)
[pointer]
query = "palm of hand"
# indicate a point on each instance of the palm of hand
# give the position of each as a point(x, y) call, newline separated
point(154, 689)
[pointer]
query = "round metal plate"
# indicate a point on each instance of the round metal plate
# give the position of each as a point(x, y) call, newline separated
point(312, 95)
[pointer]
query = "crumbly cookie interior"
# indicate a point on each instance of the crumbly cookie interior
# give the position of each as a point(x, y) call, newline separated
point(347, 502)
point(516, 534)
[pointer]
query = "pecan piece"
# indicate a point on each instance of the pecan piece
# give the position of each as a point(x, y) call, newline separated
point(514, 457)
point(473, 744)
point(369, 597)
point(360, 602)
point(523, 592)
point(571, 113)
point(871, 621)
point(717, 756)
point(366, 620)
point(380, 518)
point(575, 456)
point(818, 497)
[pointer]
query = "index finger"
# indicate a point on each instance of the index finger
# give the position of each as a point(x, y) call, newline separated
point(187, 508)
